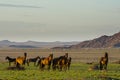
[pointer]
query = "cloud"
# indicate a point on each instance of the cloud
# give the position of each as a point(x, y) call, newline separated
point(18, 6)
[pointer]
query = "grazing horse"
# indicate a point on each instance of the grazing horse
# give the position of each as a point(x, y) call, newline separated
point(46, 61)
point(104, 62)
point(60, 62)
point(32, 60)
point(10, 60)
point(21, 60)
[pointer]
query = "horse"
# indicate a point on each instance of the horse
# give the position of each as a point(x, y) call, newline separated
point(60, 62)
point(32, 60)
point(10, 60)
point(21, 60)
point(69, 62)
point(46, 61)
point(55, 63)
point(104, 62)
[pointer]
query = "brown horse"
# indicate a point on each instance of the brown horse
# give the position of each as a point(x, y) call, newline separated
point(21, 60)
point(46, 61)
point(104, 62)
point(60, 62)
point(69, 62)
point(32, 60)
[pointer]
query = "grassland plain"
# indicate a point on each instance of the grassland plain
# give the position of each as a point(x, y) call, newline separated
point(78, 71)
point(79, 68)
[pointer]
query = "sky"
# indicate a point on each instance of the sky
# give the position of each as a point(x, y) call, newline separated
point(58, 20)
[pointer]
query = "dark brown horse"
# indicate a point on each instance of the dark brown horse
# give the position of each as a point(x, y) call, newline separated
point(56, 63)
point(69, 62)
point(60, 62)
point(32, 60)
point(104, 62)
point(46, 61)
point(10, 60)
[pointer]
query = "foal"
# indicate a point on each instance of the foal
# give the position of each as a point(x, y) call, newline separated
point(104, 62)
point(10, 60)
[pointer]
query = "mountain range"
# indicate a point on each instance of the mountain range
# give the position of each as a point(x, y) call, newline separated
point(101, 42)
point(104, 41)
point(34, 44)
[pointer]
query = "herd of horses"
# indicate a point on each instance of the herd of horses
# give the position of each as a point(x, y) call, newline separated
point(60, 63)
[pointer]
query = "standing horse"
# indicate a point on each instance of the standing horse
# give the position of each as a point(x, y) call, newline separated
point(32, 60)
point(10, 60)
point(55, 64)
point(46, 61)
point(21, 60)
point(104, 62)
point(69, 62)
point(60, 62)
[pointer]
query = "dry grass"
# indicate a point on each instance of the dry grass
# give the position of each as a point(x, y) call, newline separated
point(81, 55)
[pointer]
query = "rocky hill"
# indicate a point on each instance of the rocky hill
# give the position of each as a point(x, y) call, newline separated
point(101, 42)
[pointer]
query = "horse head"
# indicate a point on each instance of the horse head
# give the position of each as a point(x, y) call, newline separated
point(7, 57)
point(66, 55)
point(37, 57)
point(50, 57)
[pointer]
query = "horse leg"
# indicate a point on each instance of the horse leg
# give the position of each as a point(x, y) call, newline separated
point(101, 66)
point(68, 66)
point(65, 67)
point(53, 66)
point(28, 63)
point(17, 65)
point(42, 66)
point(34, 63)
point(9, 63)
point(61, 67)
point(105, 66)
point(49, 65)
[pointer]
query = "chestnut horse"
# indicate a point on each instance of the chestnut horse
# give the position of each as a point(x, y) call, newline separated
point(46, 61)
point(104, 62)
point(21, 60)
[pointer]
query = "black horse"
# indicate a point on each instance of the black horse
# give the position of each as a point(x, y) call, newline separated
point(32, 60)
point(10, 60)
point(104, 62)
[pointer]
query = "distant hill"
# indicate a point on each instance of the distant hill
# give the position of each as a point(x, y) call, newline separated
point(34, 44)
point(101, 42)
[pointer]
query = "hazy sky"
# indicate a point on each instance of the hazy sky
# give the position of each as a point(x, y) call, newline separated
point(58, 20)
